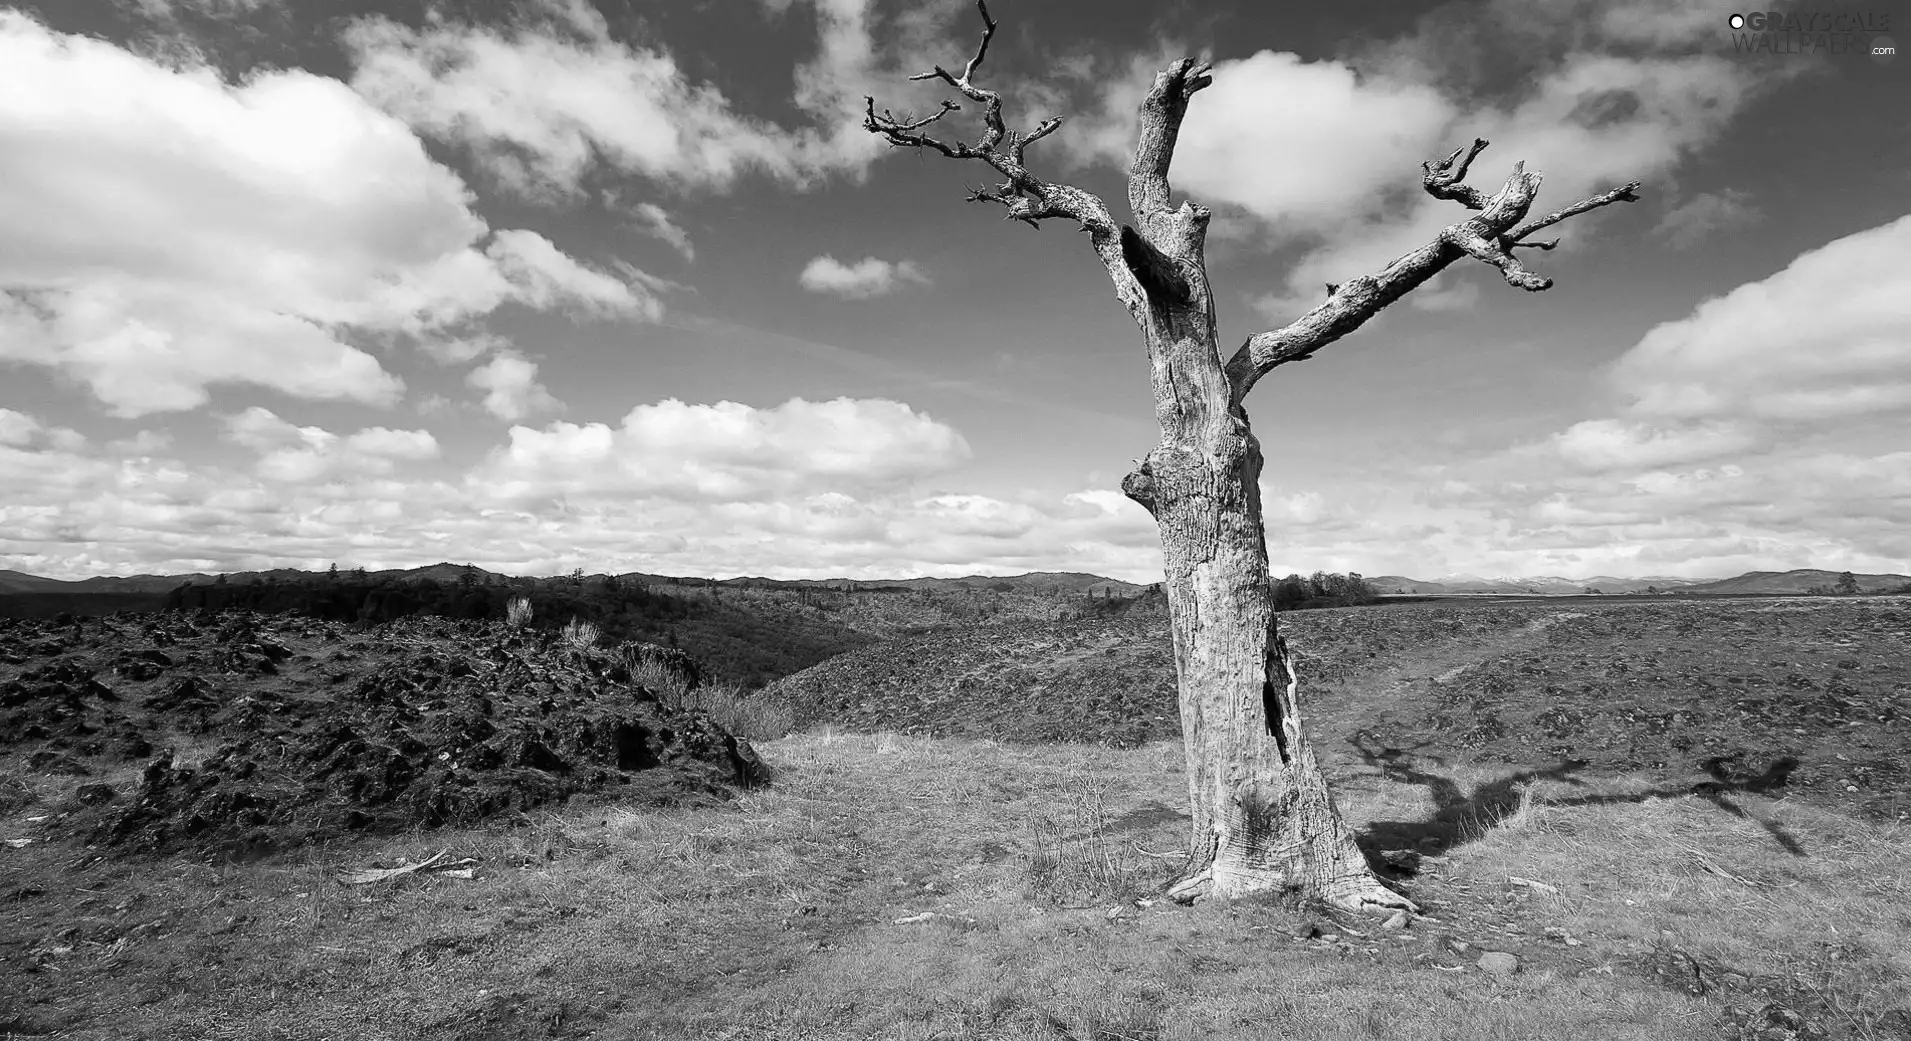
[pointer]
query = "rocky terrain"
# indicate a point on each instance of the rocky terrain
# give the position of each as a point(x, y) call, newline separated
point(1809, 696)
point(1095, 680)
point(1674, 821)
point(240, 734)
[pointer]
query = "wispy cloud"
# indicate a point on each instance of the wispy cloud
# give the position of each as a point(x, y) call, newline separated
point(1697, 218)
point(654, 221)
point(546, 99)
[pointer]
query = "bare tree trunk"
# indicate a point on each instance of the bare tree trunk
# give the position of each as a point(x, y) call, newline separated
point(1262, 816)
point(1263, 819)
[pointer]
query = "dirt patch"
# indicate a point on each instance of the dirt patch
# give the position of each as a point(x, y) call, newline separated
point(244, 734)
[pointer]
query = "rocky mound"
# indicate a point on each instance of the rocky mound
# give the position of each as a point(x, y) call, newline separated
point(1093, 680)
point(1090, 680)
point(1810, 698)
point(246, 733)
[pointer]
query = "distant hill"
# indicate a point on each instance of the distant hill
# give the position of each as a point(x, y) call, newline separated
point(1802, 580)
point(1403, 584)
point(1541, 585)
point(21, 582)
point(50, 595)
point(1042, 582)
point(139, 583)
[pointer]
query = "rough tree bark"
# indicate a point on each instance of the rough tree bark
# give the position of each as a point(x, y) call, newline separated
point(1263, 817)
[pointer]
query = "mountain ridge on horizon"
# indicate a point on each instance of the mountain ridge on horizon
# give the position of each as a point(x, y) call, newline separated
point(1797, 580)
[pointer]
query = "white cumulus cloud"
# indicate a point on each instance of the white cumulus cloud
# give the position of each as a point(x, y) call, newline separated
point(866, 278)
point(1827, 338)
point(1764, 429)
point(1326, 154)
point(728, 451)
point(511, 387)
point(163, 230)
point(291, 454)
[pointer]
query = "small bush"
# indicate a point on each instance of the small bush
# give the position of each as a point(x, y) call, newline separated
point(15, 794)
point(660, 681)
point(579, 634)
point(665, 670)
point(518, 612)
point(751, 717)
point(1089, 864)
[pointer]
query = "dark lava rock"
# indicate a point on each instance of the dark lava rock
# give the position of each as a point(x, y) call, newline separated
point(95, 794)
point(1772, 1022)
point(1678, 970)
point(49, 761)
point(187, 694)
point(14, 794)
point(436, 723)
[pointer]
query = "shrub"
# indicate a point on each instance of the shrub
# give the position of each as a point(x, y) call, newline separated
point(665, 670)
point(518, 612)
point(581, 635)
point(1075, 855)
point(751, 717)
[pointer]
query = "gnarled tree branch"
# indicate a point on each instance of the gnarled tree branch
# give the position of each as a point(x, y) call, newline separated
point(1027, 197)
point(1161, 115)
point(993, 128)
point(1443, 176)
point(1018, 143)
point(1626, 193)
point(1489, 236)
point(903, 134)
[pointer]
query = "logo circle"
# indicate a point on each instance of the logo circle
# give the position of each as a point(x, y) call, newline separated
point(1737, 21)
point(1883, 49)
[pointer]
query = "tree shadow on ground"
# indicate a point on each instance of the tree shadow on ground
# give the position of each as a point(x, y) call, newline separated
point(1460, 816)
point(1145, 817)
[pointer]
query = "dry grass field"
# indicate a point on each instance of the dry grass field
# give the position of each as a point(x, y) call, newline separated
point(916, 887)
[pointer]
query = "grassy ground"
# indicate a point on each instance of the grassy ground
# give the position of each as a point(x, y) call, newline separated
point(798, 913)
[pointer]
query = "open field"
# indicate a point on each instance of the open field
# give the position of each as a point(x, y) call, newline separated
point(917, 887)
point(792, 914)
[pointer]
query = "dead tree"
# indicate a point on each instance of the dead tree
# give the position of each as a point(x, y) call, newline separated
point(1263, 818)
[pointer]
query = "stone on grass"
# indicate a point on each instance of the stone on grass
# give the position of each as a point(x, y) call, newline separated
point(1499, 963)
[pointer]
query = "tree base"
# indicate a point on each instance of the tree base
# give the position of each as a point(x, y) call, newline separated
point(1359, 892)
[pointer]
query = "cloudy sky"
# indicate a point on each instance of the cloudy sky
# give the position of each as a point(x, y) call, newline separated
point(544, 285)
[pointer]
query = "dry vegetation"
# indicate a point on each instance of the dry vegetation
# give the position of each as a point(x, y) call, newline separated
point(912, 887)
point(799, 912)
